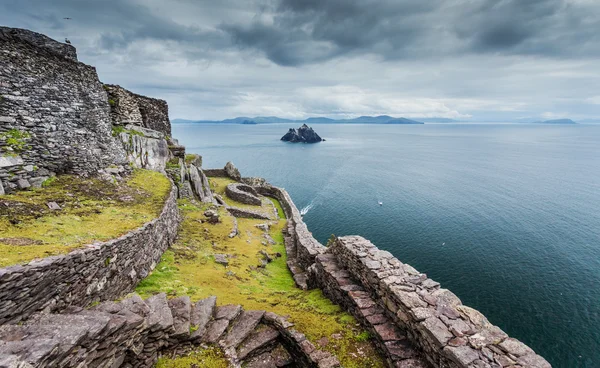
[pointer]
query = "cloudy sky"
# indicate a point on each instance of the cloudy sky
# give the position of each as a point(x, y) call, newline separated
point(216, 59)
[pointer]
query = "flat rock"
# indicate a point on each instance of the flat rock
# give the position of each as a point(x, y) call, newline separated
point(215, 330)
point(229, 311)
point(53, 206)
point(435, 328)
point(221, 259)
point(462, 355)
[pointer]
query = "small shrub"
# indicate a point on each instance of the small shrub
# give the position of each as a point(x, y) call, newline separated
point(15, 140)
point(331, 240)
point(112, 102)
point(363, 336)
point(46, 183)
point(117, 129)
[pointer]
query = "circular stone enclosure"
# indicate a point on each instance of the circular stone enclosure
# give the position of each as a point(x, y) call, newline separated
point(243, 193)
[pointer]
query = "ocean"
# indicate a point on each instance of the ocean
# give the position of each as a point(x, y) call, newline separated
point(506, 216)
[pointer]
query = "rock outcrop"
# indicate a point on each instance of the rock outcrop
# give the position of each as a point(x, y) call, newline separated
point(304, 134)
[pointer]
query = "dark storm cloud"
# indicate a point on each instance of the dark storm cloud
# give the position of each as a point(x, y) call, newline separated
point(396, 29)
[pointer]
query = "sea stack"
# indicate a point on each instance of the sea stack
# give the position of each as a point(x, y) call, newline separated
point(305, 134)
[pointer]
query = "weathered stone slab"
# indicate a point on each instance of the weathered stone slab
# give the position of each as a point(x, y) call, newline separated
point(257, 340)
point(180, 309)
point(160, 316)
point(242, 327)
point(229, 311)
point(215, 330)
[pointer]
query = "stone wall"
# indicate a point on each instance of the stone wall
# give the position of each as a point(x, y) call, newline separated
point(97, 272)
point(54, 113)
point(215, 173)
point(434, 320)
point(306, 247)
point(242, 193)
point(130, 108)
point(133, 332)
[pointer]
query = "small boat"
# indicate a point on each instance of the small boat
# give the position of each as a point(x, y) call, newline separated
point(380, 203)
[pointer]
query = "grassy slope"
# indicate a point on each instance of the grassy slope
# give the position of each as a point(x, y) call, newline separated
point(92, 210)
point(188, 268)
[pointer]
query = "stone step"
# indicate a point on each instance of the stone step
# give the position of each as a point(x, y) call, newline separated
point(275, 358)
point(159, 316)
point(200, 315)
point(223, 316)
point(241, 328)
point(180, 309)
point(262, 339)
point(345, 290)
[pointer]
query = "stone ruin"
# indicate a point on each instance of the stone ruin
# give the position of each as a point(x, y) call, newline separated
point(57, 117)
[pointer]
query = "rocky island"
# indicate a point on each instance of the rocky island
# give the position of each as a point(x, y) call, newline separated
point(304, 134)
point(118, 249)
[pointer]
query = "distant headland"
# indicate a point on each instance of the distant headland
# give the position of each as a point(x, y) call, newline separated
point(381, 119)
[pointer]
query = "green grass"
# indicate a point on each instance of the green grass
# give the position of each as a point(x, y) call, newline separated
point(91, 210)
point(188, 268)
point(211, 357)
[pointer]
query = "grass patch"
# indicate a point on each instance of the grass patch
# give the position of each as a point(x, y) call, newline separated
point(212, 357)
point(91, 210)
point(188, 268)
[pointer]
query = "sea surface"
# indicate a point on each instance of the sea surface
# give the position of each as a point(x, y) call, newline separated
point(505, 216)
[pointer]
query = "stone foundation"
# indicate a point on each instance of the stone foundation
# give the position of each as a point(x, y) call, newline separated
point(243, 193)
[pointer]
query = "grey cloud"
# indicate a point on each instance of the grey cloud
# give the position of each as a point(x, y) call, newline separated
point(330, 28)
point(215, 59)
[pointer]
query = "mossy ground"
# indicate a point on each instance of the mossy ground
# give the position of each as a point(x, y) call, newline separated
point(211, 357)
point(91, 210)
point(188, 268)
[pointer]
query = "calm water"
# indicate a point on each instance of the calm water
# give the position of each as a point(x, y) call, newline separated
point(506, 216)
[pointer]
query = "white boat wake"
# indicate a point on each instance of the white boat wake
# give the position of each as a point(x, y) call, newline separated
point(305, 210)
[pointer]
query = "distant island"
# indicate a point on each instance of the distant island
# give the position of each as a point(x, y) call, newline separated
point(305, 134)
point(381, 119)
point(557, 122)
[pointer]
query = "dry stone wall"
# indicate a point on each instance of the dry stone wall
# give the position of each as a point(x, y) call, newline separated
point(130, 108)
point(54, 113)
point(449, 333)
point(133, 332)
point(98, 272)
